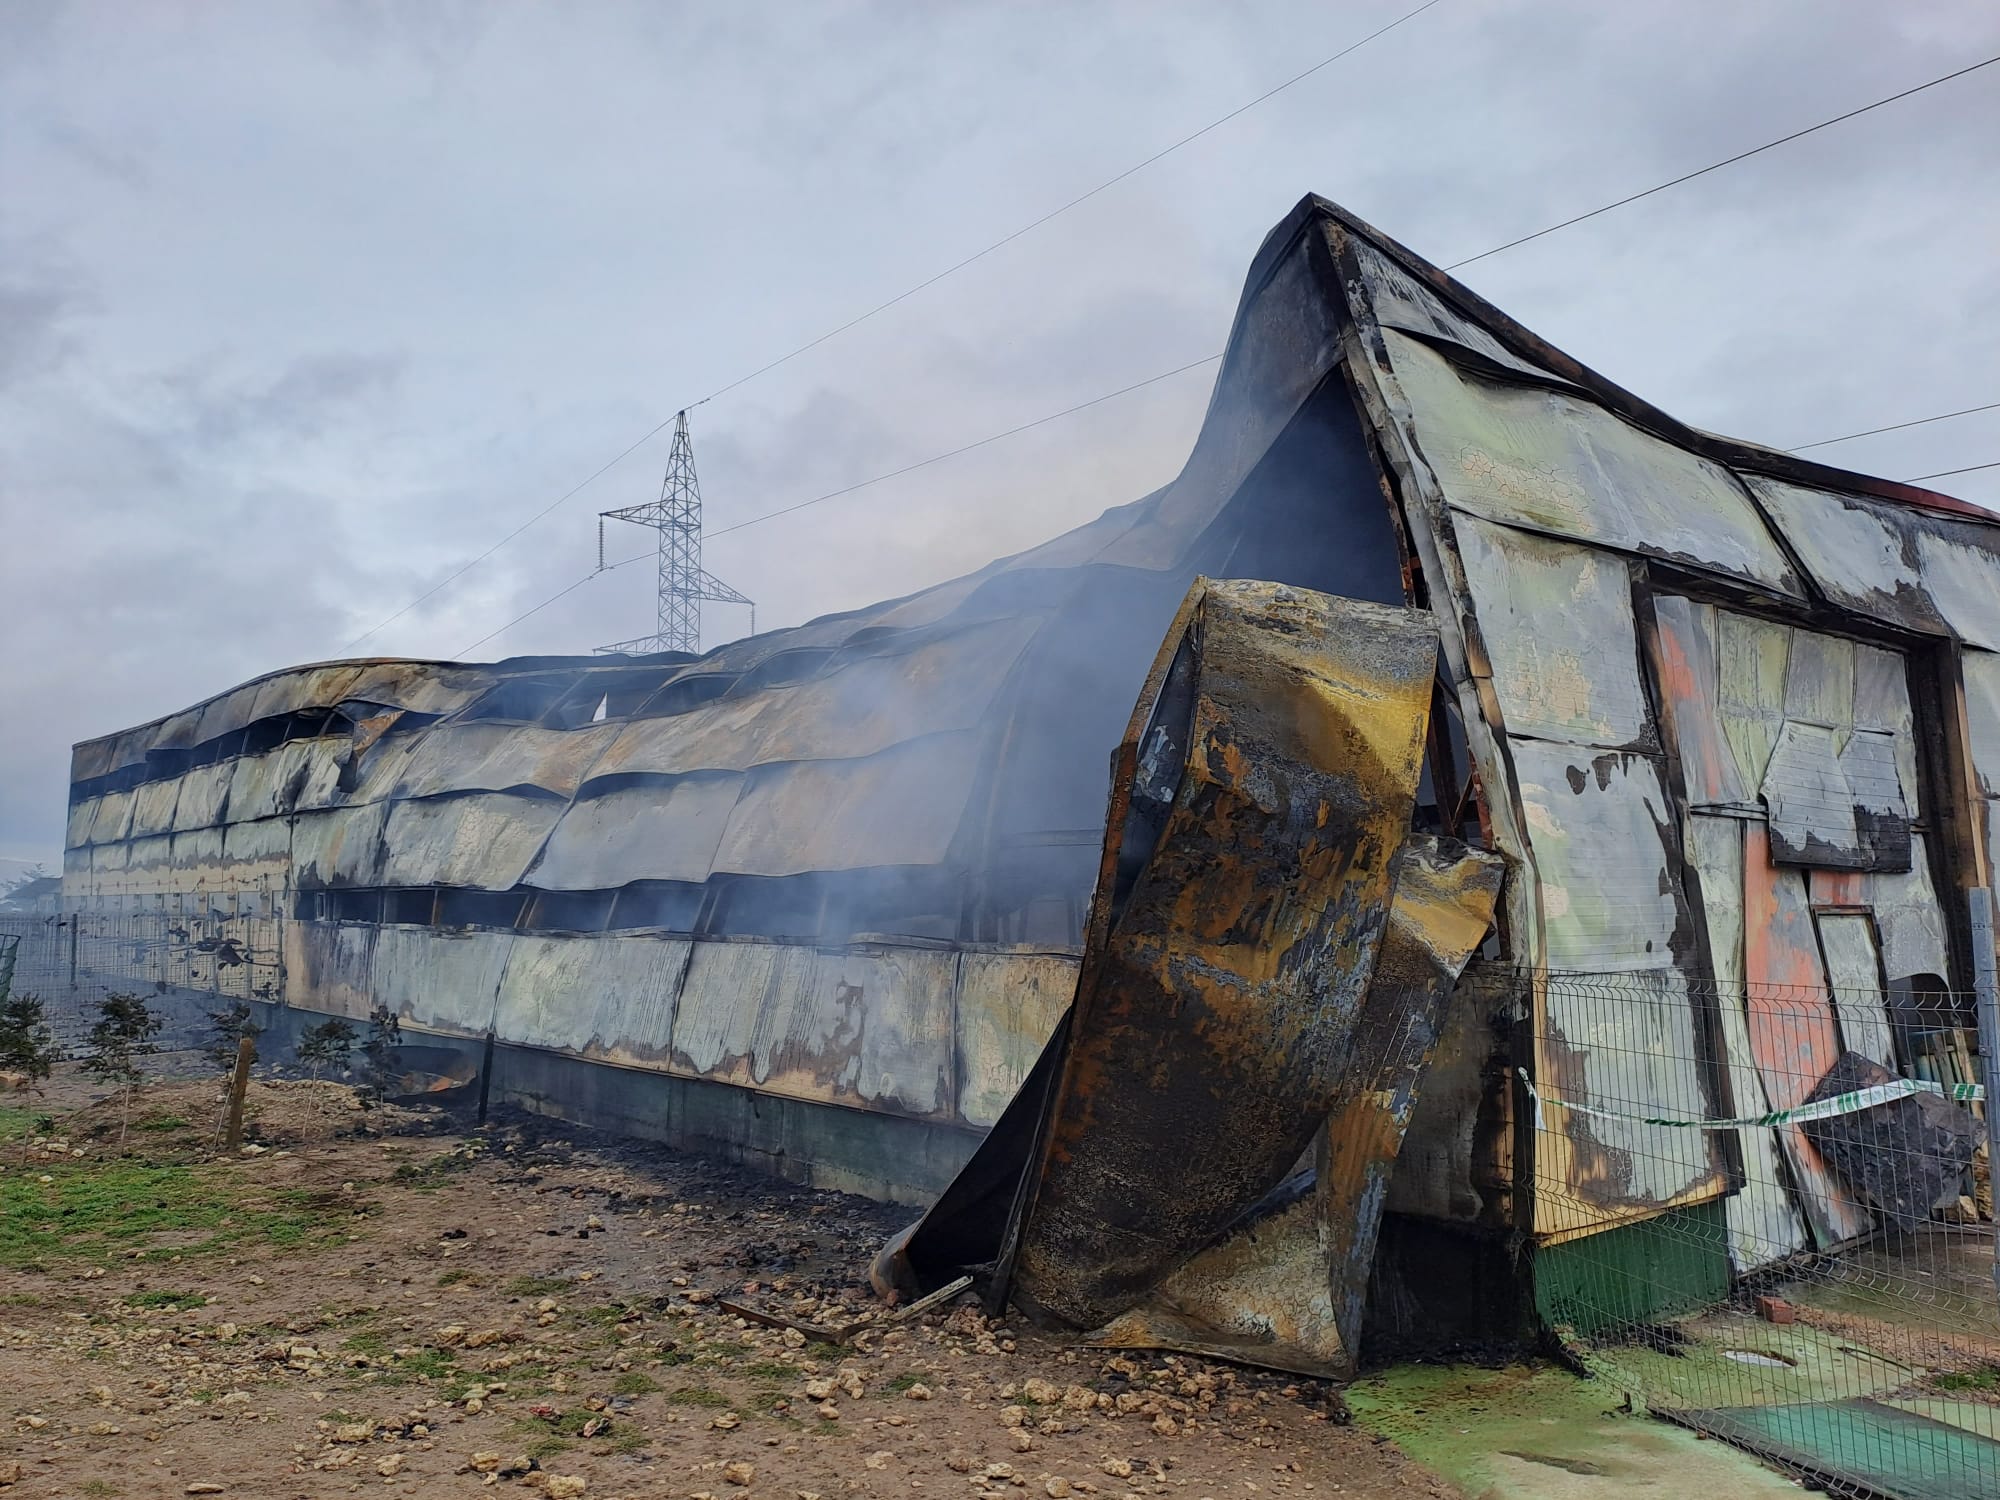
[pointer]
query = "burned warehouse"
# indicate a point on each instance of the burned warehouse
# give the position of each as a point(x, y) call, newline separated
point(1495, 767)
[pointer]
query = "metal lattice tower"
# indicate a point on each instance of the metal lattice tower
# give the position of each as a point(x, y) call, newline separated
point(676, 516)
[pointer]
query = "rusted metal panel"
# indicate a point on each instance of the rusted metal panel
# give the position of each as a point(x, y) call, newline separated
point(1752, 661)
point(304, 687)
point(870, 1026)
point(901, 807)
point(1764, 1223)
point(1547, 461)
point(1008, 1006)
point(1932, 574)
point(492, 757)
point(1854, 979)
point(425, 687)
point(484, 840)
point(652, 831)
point(1690, 678)
point(1792, 1032)
point(1555, 621)
point(1601, 826)
point(610, 996)
point(1230, 982)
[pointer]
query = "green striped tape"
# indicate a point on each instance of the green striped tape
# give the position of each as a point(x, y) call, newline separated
point(1822, 1109)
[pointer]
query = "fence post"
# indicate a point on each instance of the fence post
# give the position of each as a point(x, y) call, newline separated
point(1986, 989)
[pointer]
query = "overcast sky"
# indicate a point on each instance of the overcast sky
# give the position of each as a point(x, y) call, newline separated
point(302, 306)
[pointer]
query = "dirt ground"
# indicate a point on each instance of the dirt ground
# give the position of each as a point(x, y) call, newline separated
point(390, 1300)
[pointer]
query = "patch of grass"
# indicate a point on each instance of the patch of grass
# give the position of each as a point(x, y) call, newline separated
point(430, 1364)
point(1985, 1378)
point(434, 1173)
point(178, 1301)
point(634, 1383)
point(629, 1440)
point(697, 1395)
point(454, 1277)
point(548, 1447)
point(21, 1299)
point(94, 1210)
point(374, 1345)
point(825, 1351)
point(770, 1369)
point(161, 1123)
point(14, 1122)
point(98, 1488)
point(537, 1286)
point(902, 1383)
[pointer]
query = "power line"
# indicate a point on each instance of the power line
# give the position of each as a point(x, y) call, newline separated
point(922, 463)
point(900, 297)
point(1728, 161)
point(938, 458)
point(1947, 473)
point(1150, 380)
point(1943, 416)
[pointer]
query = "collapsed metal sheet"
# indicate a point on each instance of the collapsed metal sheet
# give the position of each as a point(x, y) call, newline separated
point(1547, 461)
point(1286, 1287)
point(1217, 1013)
point(1555, 623)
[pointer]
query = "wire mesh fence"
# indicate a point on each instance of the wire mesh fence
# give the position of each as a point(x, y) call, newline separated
point(184, 959)
point(1765, 1211)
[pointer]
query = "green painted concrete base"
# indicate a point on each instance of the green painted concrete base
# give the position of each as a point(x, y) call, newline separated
point(1535, 1432)
point(1898, 1454)
point(1646, 1272)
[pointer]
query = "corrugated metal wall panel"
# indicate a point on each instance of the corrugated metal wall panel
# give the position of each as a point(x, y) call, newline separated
point(1008, 1004)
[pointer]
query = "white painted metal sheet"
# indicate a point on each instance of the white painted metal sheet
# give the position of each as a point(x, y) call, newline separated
point(484, 840)
point(1854, 976)
point(1008, 1004)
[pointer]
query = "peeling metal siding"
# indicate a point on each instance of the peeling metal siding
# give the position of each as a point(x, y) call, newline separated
point(442, 981)
point(203, 796)
point(1690, 685)
point(1600, 823)
point(901, 807)
point(1555, 623)
point(341, 846)
point(1764, 1224)
point(330, 967)
point(1792, 1032)
point(1910, 919)
point(482, 840)
point(496, 757)
point(1008, 1006)
point(153, 808)
point(1854, 977)
point(609, 996)
point(1546, 461)
point(1400, 301)
point(1753, 657)
point(1931, 574)
point(869, 1026)
point(650, 832)
point(113, 820)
